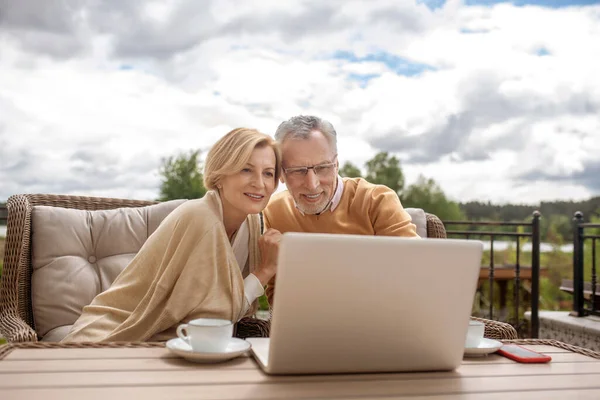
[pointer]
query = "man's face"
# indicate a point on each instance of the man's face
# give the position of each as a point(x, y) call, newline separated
point(312, 189)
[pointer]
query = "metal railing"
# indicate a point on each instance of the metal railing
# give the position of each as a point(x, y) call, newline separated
point(580, 286)
point(3, 214)
point(534, 234)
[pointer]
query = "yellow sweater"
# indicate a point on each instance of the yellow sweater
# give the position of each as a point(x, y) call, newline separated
point(185, 270)
point(364, 209)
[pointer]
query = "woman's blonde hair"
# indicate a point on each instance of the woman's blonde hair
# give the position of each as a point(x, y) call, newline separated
point(231, 154)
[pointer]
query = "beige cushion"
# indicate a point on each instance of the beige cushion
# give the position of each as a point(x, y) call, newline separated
point(419, 219)
point(77, 254)
point(56, 334)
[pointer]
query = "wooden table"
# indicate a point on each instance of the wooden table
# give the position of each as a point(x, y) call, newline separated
point(154, 373)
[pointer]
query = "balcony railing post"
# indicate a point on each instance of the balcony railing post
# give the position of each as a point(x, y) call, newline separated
point(491, 278)
point(3, 214)
point(578, 265)
point(535, 273)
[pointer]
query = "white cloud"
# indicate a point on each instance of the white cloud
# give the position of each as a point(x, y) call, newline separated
point(493, 119)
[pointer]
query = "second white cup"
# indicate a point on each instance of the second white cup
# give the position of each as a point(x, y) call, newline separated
point(206, 334)
point(474, 334)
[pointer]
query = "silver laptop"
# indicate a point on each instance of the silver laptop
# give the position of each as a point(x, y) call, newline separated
point(360, 304)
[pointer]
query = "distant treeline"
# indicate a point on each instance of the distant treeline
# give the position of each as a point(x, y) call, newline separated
point(556, 223)
point(516, 212)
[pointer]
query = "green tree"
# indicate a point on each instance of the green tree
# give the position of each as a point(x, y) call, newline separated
point(556, 229)
point(427, 194)
point(594, 219)
point(350, 170)
point(181, 177)
point(385, 170)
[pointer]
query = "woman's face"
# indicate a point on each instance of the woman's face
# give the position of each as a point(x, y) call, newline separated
point(249, 190)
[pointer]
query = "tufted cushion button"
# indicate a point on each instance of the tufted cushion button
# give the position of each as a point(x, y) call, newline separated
point(92, 259)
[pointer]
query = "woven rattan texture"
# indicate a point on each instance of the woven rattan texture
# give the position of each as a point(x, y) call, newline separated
point(16, 319)
point(8, 348)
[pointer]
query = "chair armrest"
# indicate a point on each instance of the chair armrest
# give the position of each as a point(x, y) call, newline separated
point(497, 330)
point(435, 227)
point(555, 343)
point(14, 329)
point(16, 319)
point(252, 327)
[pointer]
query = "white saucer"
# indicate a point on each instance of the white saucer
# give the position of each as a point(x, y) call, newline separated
point(486, 346)
point(235, 348)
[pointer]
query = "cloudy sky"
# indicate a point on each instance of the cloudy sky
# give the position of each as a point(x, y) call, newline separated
point(494, 100)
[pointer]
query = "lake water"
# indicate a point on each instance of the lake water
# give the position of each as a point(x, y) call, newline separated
point(544, 247)
point(2, 230)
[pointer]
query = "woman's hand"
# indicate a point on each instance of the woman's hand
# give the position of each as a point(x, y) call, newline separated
point(269, 251)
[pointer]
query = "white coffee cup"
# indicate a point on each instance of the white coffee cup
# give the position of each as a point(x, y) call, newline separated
point(474, 334)
point(206, 334)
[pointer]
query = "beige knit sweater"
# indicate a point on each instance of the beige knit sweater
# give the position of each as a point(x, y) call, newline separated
point(185, 270)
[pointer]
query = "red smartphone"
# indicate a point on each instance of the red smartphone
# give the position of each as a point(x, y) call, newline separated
point(523, 355)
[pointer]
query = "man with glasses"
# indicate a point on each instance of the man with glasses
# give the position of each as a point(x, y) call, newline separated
point(318, 200)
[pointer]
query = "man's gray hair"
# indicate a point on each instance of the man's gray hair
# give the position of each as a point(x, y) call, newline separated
point(301, 126)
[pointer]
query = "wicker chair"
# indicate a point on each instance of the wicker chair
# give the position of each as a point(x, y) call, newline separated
point(16, 315)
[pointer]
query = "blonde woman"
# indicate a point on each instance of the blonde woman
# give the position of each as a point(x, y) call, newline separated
point(207, 259)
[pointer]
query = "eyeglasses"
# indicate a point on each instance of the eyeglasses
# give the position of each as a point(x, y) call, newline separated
point(321, 170)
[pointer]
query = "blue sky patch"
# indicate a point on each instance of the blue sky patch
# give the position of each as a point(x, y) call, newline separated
point(543, 3)
point(432, 4)
point(125, 67)
point(362, 79)
point(473, 31)
point(542, 52)
point(399, 65)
